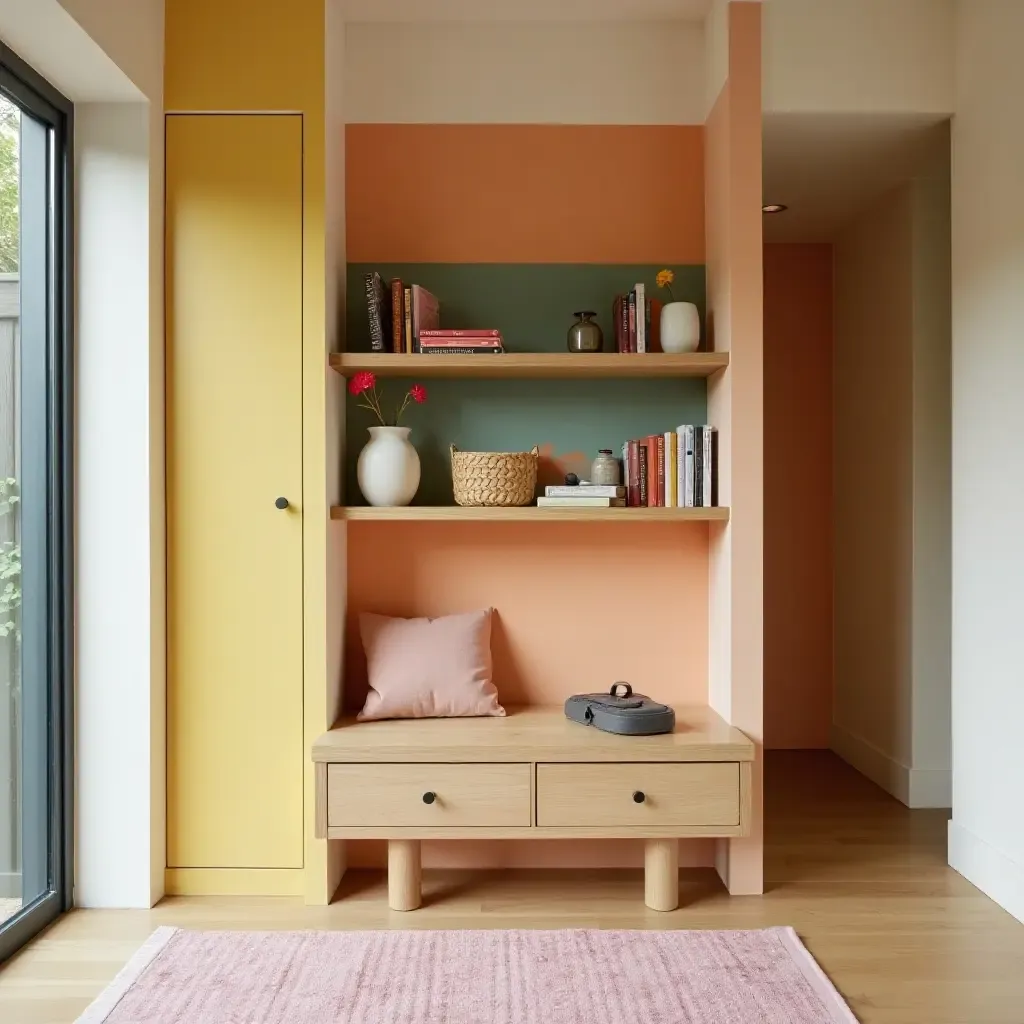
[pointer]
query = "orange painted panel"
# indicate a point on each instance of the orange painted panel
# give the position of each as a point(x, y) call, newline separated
point(798, 546)
point(579, 606)
point(519, 193)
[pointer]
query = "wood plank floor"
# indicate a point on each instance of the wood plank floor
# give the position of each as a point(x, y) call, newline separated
point(863, 880)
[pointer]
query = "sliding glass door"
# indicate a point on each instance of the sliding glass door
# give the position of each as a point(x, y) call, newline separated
point(35, 591)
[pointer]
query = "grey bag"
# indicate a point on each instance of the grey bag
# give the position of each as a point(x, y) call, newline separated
point(626, 713)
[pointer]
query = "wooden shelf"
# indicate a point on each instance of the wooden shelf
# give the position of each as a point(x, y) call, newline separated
point(529, 513)
point(538, 365)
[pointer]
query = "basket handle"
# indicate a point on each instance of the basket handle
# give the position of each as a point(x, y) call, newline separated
point(535, 450)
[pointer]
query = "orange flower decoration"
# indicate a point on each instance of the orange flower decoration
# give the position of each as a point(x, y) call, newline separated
point(664, 280)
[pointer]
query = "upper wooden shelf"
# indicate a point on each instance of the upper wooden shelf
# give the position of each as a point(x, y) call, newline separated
point(540, 365)
point(529, 513)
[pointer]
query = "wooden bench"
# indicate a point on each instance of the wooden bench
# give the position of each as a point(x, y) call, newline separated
point(532, 775)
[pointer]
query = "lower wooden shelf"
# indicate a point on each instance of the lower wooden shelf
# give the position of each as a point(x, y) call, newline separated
point(529, 513)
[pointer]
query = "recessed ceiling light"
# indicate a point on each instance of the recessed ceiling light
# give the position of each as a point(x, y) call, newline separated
point(774, 208)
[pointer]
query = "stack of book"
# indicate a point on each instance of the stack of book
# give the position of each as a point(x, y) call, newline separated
point(460, 342)
point(675, 469)
point(398, 313)
point(583, 496)
point(632, 316)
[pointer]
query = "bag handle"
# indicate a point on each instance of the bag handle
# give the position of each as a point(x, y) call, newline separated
point(626, 686)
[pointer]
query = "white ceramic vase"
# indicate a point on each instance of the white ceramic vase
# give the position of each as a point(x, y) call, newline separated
point(389, 467)
point(680, 327)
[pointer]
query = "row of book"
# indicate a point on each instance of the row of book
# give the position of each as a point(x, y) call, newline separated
point(677, 469)
point(406, 318)
point(635, 317)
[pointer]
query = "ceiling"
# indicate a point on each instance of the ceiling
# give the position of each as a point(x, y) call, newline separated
point(825, 167)
point(525, 10)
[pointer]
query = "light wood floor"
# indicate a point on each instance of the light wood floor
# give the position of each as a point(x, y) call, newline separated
point(863, 880)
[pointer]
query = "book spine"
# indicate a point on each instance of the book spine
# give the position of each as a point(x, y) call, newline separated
point(447, 332)
point(397, 317)
point(714, 466)
point(698, 467)
point(459, 350)
point(706, 483)
point(373, 313)
point(584, 491)
point(624, 321)
point(670, 469)
point(659, 447)
point(688, 499)
point(641, 335)
point(617, 320)
point(647, 325)
point(426, 343)
point(407, 298)
point(632, 321)
point(643, 475)
point(680, 468)
point(633, 474)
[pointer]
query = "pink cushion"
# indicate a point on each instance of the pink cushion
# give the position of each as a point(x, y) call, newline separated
point(429, 668)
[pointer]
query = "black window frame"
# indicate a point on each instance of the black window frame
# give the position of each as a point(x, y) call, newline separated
point(53, 442)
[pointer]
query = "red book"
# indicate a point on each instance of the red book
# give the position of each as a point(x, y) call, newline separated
point(633, 483)
point(461, 333)
point(425, 312)
point(617, 320)
point(426, 343)
point(397, 316)
point(632, 321)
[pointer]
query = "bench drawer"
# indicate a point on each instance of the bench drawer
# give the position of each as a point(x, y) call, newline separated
point(392, 795)
point(608, 795)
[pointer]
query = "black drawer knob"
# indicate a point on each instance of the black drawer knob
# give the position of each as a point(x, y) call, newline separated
point(429, 798)
point(639, 797)
point(281, 503)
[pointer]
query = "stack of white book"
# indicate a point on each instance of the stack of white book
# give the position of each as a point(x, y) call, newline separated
point(583, 496)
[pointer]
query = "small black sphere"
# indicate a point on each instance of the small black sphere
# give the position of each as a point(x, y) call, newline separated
point(571, 479)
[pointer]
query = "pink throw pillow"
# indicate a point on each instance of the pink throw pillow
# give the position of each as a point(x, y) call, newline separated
point(429, 668)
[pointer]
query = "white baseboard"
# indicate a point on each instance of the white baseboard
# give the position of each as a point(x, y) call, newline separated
point(998, 876)
point(10, 884)
point(915, 787)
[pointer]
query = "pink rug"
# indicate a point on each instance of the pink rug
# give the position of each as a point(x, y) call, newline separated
point(471, 977)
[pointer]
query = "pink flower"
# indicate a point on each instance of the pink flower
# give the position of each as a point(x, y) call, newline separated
point(362, 381)
point(419, 393)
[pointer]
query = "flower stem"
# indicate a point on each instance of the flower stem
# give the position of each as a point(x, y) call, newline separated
point(401, 408)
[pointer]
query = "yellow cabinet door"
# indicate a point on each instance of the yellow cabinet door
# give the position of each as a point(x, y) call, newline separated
point(234, 446)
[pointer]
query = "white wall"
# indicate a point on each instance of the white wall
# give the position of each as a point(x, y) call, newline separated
point(986, 836)
point(107, 57)
point(892, 488)
point(849, 56)
point(587, 73)
point(119, 763)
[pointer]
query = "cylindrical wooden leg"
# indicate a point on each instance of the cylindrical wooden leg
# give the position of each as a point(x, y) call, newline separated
point(661, 874)
point(403, 874)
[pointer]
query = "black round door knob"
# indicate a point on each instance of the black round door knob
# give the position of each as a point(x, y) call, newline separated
point(639, 797)
point(429, 798)
point(281, 503)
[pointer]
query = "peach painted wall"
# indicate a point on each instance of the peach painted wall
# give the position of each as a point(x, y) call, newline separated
point(735, 405)
point(586, 193)
point(624, 603)
point(798, 546)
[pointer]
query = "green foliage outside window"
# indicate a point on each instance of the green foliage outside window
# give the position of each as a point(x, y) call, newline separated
point(10, 565)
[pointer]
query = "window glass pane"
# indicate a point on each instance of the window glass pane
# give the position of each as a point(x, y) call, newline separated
point(11, 876)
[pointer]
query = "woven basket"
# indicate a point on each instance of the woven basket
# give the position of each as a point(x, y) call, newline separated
point(494, 478)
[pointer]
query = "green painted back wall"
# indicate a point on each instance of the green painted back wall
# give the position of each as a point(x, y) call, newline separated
point(531, 303)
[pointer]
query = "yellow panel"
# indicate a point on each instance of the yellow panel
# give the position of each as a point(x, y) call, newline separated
point(234, 445)
point(233, 882)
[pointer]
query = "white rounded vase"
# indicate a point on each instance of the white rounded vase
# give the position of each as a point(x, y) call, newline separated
point(389, 467)
point(680, 327)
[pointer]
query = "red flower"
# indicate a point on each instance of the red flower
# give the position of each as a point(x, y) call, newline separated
point(362, 381)
point(419, 393)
